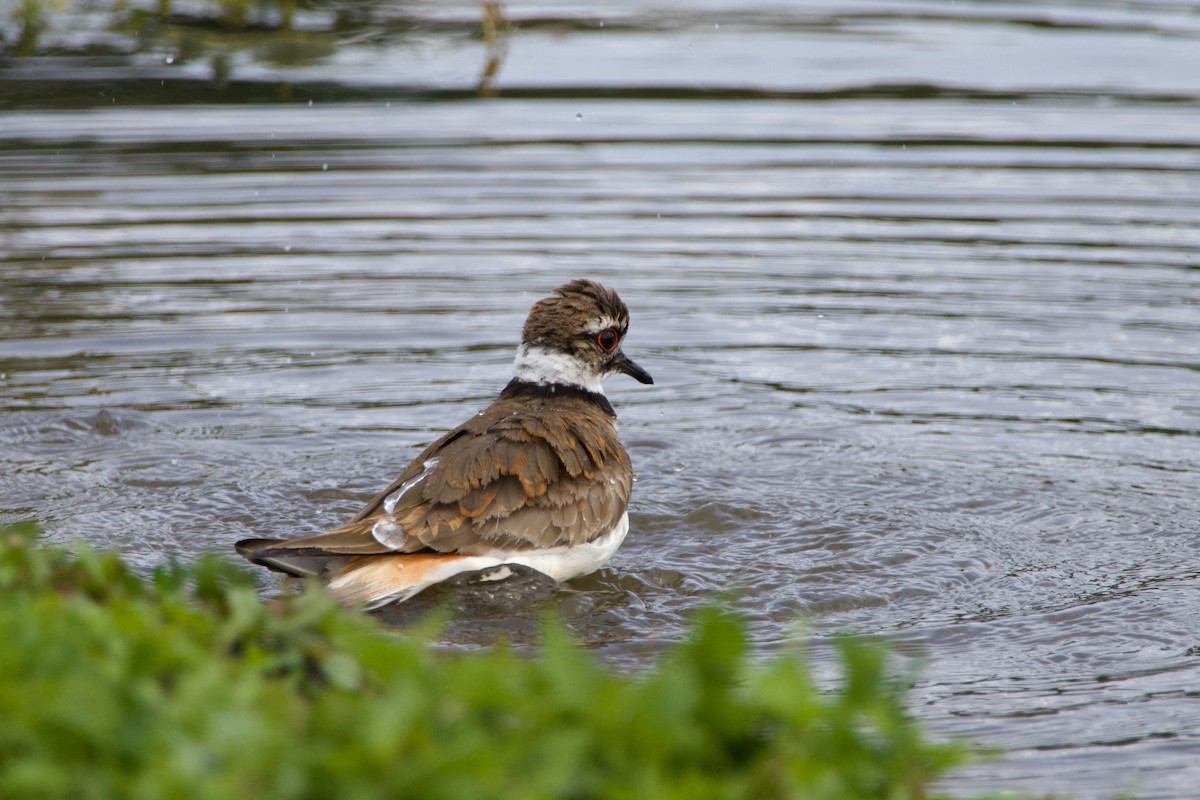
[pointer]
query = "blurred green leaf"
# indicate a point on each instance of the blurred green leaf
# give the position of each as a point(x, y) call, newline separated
point(185, 684)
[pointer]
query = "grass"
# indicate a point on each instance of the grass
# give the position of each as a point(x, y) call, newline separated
point(183, 684)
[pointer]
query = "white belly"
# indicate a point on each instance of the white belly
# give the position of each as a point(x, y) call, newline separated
point(564, 563)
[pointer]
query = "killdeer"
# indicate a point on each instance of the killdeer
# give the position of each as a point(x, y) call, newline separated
point(538, 478)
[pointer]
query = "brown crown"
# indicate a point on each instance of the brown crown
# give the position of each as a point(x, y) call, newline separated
point(556, 320)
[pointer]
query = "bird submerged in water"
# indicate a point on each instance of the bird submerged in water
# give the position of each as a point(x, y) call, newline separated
point(537, 479)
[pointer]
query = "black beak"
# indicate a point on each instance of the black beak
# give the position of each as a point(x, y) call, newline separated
point(626, 365)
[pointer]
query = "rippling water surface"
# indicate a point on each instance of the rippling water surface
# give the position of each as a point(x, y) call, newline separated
point(918, 284)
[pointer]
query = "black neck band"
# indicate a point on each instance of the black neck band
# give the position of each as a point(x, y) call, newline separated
point(519, 388)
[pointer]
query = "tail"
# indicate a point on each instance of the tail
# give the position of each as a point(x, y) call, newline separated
point(281, 555)
point(374, 581)
point(367, 581)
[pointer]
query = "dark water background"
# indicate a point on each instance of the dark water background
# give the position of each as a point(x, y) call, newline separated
point(918, 283)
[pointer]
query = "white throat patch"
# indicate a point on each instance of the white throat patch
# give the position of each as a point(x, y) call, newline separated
point(538, 365)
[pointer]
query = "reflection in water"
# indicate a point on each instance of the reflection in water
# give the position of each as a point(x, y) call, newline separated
point(917, 285)
point(496, 29)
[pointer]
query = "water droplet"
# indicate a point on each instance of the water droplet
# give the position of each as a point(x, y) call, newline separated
point(170, 59)
point(310, 103)
point(579, 117)
point(287, 248)
point(678, 467)
point(325, 167)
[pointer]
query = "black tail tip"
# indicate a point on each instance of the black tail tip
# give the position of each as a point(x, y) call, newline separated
point(251, 548)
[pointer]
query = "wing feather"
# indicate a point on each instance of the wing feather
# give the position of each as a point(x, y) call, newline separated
point(517, 476)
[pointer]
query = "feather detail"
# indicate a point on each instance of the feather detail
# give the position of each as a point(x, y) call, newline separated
point(539, 477)
point(372, 582)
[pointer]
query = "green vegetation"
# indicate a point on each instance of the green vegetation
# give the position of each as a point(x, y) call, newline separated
point(184, 684)
point(283, 32)
point(168, 51)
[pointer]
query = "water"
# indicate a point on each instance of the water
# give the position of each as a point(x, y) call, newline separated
point(917, 283)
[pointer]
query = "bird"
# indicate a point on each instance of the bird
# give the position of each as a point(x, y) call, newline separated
point(538, 479)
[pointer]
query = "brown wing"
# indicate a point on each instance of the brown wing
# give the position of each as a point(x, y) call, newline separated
point(518, 476)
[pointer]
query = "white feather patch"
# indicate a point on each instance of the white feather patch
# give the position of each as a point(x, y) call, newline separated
point(596, 325)
point(538, 365)
point(387, 531)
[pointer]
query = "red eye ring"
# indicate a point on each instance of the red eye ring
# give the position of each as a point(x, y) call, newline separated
point(607, 339)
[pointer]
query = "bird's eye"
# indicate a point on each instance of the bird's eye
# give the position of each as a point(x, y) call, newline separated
point(607, 339)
